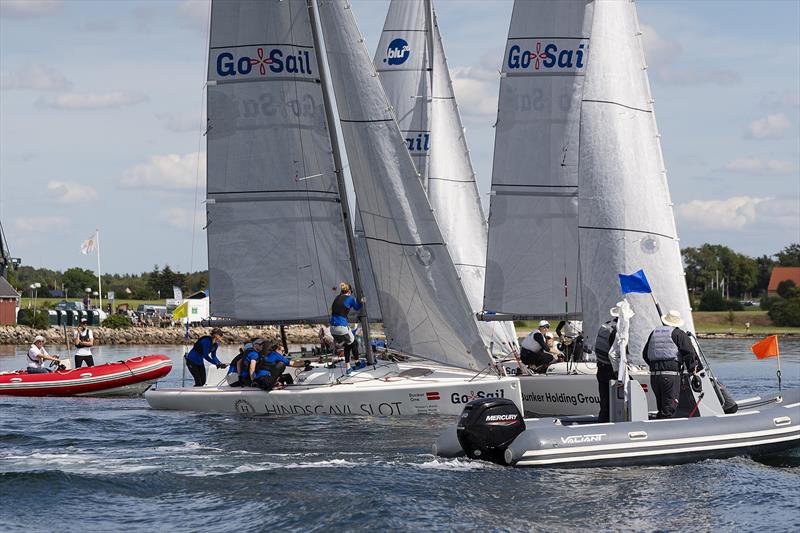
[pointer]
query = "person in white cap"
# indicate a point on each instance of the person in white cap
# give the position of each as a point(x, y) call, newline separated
point(606, 367)
point(534, 350)
point(669, 349)
point(83, 340)
point(37, 355)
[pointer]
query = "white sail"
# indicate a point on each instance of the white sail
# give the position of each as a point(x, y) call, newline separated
point(425, 311)
point(276, 241)
point(532, 270)
point(626, 219)
point(420, 89)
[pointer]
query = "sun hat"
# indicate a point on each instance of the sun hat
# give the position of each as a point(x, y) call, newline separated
point(38, 338)
point(672, 318)
point(614, 311)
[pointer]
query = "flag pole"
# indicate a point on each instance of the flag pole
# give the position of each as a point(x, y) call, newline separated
point(99, 281)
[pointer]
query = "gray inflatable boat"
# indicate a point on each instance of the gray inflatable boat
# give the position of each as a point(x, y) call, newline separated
point(495, 430)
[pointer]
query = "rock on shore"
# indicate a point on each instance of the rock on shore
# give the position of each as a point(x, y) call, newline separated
point(19, 335)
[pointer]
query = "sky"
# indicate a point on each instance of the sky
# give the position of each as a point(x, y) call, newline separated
point(101, 106)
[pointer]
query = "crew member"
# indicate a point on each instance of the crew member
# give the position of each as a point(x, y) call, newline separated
point(571, 339)
point(340, 329)
point(204, 348)
point(37, 355)
point(267, 370)
point(83, 340)
point(606, 367)
point(534, 350)
point(667, 350)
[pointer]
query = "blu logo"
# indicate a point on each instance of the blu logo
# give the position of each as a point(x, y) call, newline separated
point(398, 52)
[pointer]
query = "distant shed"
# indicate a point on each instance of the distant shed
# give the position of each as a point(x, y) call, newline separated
point(9, 299)
point(780, 274)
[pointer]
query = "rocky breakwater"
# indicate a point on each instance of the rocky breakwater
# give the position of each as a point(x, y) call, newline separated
point(19, 335)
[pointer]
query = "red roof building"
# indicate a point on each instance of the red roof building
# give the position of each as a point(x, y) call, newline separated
point(780, 274)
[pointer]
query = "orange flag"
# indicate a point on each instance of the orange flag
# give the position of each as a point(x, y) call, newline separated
point(766, 348)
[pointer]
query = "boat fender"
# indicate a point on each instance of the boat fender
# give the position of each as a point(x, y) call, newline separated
point(729, 405)
point(487, 427)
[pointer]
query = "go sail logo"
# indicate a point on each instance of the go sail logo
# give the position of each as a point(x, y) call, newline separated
point(261, 61)
point(547, 56)
point(398, 52)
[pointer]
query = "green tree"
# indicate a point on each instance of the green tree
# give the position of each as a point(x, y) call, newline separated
point(789, 256)
point(711, 262)
point(787, 289)
point(786, 312)
point(76, 280)
point(712, 301)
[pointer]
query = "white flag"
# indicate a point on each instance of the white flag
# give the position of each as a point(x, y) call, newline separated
point(89, 245)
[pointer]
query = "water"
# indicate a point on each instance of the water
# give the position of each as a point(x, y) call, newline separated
point(83, 464)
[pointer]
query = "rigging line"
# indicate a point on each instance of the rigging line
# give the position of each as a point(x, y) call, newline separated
point(203, 132)
point(627, 230)
point(404, 244)
point(618, 104)
point(307, 184)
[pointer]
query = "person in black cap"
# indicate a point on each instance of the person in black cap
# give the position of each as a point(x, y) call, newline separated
point(83, 340)
point(205, 348)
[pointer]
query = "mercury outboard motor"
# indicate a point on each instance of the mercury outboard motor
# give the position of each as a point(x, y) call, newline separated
point(729, 405)
point(487, 426)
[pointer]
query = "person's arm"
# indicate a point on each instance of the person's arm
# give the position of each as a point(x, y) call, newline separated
point(689, 357)
point(644, 351)
point(213, 354)
point(44, 355)
point(90, 341)
point(538, 337)
point(252, 369)
point(559, 327)
point(352, 303)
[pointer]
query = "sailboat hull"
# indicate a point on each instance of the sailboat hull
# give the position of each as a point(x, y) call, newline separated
point(388, 390)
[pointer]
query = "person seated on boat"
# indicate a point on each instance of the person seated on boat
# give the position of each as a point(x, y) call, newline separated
point(534, 351)
point(235, 367)
point(340, 328)
point(669, 349)
point(570, 333)
point(205, 348)
point(37, 355)
point(552, 345)
point(266, 371)
point(606, 364)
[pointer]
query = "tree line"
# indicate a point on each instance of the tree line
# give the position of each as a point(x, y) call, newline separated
point(156, 284)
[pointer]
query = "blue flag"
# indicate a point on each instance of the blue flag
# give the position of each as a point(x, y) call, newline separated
point(636, 282)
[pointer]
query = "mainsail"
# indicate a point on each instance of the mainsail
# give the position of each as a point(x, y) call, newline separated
point(276, 237)
point(425, 311)
point(626, 219)
point(579, 188)
point(413, 68)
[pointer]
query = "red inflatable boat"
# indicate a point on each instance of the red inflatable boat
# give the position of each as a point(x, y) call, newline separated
point(122, 378)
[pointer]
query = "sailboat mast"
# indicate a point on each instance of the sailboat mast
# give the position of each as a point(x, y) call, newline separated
point(337, 161)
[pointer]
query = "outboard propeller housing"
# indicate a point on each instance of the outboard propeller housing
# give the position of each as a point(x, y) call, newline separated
point(487, 426)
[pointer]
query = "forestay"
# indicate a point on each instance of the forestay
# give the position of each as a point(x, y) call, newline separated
point(425, 311)
point(412, 65)
point(276, 241)
point(626, 219)
point(533, 265)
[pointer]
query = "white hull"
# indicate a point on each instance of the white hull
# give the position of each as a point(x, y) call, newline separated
point(569, 390)
point(388, 390)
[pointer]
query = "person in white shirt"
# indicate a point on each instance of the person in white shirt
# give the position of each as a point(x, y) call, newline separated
point(37, 355)
point(83, 340)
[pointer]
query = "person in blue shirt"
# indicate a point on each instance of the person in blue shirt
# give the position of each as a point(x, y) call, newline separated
point(205, 348)
point(340, 329)
point(266, 369)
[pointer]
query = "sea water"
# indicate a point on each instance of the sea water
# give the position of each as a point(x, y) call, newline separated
point(91, 464)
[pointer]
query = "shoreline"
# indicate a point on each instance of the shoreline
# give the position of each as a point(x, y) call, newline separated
point(17, 335)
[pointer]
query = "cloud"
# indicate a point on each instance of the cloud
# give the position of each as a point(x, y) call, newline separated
point(41, 224)
point(70, 192)
point(181, 218)
point(194, 14)
point(28, 8)
point(180, 123)
point(782, 99)
point(663, 59)
point(92, 100)
point(34, 77)
point(741, 212)
point(166, 172)
point(758, 166)
point(476, 91)
point(770, 127)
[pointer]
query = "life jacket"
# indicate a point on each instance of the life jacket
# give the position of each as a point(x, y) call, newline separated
point(338, 306)
point(198, 348)
point(529, 343)
point(246, 362)
point(264, 364)
point(232, 364)
point(602, 346)
point(662, 347)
